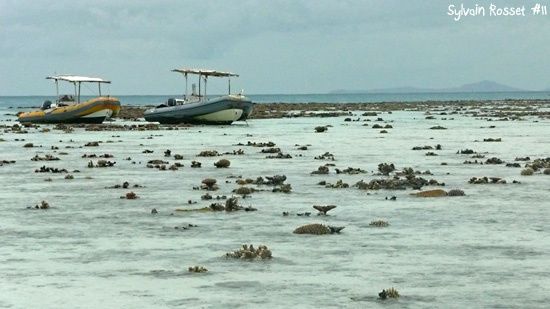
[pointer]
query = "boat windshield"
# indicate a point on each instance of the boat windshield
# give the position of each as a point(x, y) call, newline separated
point(66, 98)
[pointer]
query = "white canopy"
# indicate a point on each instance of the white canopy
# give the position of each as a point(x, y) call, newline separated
point(78, 79)
point(205, 72)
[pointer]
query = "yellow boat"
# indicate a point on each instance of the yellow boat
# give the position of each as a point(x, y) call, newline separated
point(69, 109)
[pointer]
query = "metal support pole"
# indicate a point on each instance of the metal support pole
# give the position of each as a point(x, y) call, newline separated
point(99, 86)
point(75, 93)
point(229, 86)
point(186, 86)
point(205, 80)
point(57, 89)
point(199, 85)
point(78, 99)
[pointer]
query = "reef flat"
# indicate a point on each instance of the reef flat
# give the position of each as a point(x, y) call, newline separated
point(334, 203)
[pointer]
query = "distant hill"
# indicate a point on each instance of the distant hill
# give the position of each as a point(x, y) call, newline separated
point(482, 86)
point(485, 86)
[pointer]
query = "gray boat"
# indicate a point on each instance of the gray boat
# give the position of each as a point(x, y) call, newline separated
point(197, 108)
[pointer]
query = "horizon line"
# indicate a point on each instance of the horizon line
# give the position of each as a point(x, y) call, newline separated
point(335, 92)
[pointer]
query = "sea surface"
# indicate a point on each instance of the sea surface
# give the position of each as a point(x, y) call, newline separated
point(92, 249)
point(28, 101)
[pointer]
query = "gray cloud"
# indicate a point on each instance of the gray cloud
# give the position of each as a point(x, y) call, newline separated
point(277, 46)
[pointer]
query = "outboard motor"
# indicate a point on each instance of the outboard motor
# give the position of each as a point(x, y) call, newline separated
point(171, 102)
point(47, 104)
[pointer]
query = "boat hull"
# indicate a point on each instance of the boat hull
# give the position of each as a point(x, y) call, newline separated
point(92, 111)
point(218, 111)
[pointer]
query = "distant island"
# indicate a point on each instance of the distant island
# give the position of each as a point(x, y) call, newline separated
point(482, 86)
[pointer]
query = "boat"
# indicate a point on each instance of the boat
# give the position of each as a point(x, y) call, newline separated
point(68, 108)
point(197, 108)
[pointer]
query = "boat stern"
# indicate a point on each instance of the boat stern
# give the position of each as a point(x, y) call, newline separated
point(243, 103)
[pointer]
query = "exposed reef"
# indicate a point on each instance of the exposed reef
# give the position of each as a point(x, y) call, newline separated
point(250, 253)
point(318, 229)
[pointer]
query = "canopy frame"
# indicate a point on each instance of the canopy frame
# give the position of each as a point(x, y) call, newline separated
point(204, 74)
point(77, 80)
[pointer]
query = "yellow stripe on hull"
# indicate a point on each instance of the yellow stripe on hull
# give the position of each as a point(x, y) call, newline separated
point(73, 112)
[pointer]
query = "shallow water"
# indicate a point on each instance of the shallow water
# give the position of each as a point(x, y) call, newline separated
point(490, 248)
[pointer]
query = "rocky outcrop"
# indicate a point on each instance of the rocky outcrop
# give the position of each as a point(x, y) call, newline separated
point(197, 269)
point(231, 204)
point(325, 156)
point(47, 157)
point(209, 184)
point(539, 164)
point(101, 163)
point(350, 170)
point(385, 168)
point(397, 183)
point(317, 229)
point(223, 163)
point(486, 180)
point(527, 172)
point(388, 293)
point(5, 162)
point(130, 196)
point(456, 192)
point(321, 170)
point(324, 209)
point(321, 129)
point(251, 253)
point(431, 193)
point(47, 169)
point(379, 223)
point(258, 144)
point(208, 153)
point(244, 191)
point(42, 205)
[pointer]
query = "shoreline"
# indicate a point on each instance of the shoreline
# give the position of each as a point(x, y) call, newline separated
point(509, 108)
point(281, 110)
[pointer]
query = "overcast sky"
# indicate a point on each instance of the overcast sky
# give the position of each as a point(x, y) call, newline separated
point(293, 46)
